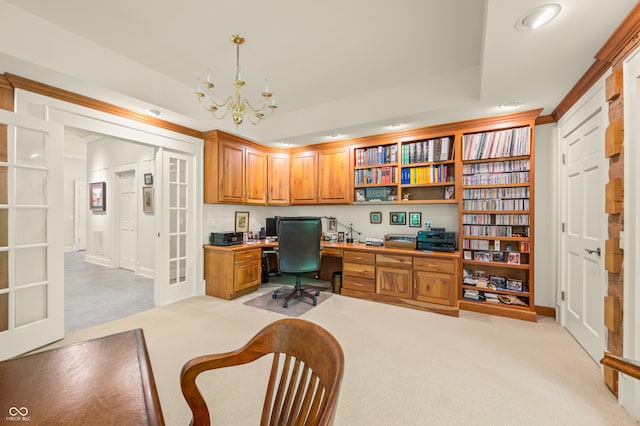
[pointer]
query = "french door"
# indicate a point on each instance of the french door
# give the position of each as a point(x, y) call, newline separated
point(31, 235)
point(176, 278)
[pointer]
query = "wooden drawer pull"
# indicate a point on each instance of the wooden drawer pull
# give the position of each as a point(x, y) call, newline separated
point(358, 257)
point(431, 265)
point(358, 284)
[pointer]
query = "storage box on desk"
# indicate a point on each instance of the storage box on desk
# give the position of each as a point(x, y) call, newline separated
point(377, 193)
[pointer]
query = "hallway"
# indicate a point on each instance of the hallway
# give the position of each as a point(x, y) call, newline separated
point(94, 294)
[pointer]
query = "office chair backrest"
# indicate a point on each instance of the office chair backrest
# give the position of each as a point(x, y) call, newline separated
point(299, 244)
point(305, 379)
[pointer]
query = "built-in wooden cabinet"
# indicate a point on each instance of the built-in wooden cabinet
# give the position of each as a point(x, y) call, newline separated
point(304, 177)
point(496, 220)
point(235, 170)
point(278, 178)
point(334, 182)
point(402, 277)
point(320, 176)
point(232, 273)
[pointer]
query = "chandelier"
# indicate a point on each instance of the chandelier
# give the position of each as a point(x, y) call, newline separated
point(237, 106)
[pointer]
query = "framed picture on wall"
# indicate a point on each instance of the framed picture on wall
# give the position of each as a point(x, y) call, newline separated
point(147, 199)
point(398, 218)
point(97, 193)
point(415, 219)
point(375, 217)
point(242, 222)
point(148, 179)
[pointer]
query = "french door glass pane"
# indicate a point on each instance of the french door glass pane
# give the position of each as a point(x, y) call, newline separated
point(31, 304)
point(31, 187)
point(31, 226)
point(4, 270)
point(183, 171)
point(173, 170)
point(30, 149)
point(173, 247)
point(173, 221)
point(4, 227)
point(173, 271)
point(4, 312)
point(3, 143)
point(183, 270)
point(183, 245)
point(183, 221)
point(4, 198)
point(30, 265)
point(173, 195)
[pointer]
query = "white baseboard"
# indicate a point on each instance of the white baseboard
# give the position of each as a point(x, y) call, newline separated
point(68, 248)
point(146, 272)
point(97, 260)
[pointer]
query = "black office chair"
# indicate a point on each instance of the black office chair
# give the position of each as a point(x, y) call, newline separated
point(299, 253)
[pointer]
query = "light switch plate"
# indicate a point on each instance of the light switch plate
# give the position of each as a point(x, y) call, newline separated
point(621, 240)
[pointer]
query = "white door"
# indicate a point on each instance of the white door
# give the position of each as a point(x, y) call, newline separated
point(127, 229)
point(583, 278)
point(80, 216)
point(175, 279)
point(31, 234)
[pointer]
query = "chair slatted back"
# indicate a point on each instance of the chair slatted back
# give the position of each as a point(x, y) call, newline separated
point(304, 381)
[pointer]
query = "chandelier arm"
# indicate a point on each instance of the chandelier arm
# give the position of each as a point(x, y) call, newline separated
point(250, 107)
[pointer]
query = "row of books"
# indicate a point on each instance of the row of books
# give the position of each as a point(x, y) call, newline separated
point(497, 144)
point(520, 204)
point(495, 219)
point(497, 167)
point(488, 297)
point(495, 231)
point(496, 245)
point(384, 154)
point(425, 174)
point(496, 178)
point(440, 149)
point(376, 175)
point(496, 193)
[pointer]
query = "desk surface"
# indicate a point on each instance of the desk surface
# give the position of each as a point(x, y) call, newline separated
point(100, 381)
point(344, 246)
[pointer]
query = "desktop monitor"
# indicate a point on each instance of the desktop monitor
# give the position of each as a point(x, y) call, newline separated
point(271, 227)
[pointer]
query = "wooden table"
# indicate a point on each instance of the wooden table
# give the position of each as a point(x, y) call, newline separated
point(101, 381)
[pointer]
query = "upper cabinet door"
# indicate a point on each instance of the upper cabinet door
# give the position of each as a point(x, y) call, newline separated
point(304, 177)
point(334, 176)
point(231, 172)
point(278, 179)
point(255, 176)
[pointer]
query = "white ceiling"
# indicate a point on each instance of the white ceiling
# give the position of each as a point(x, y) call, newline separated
point(348, 67)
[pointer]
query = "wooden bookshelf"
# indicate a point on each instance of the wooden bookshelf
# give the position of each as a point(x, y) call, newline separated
point(496, 220)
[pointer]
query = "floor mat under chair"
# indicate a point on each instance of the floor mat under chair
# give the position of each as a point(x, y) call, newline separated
point(296, 307)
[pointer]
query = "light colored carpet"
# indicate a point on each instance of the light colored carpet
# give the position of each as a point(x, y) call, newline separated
point(403, 366)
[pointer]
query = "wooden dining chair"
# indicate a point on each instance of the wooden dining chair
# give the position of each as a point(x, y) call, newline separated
point(306, 374)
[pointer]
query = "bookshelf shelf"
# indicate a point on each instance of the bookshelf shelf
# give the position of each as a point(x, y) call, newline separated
point(496, 202)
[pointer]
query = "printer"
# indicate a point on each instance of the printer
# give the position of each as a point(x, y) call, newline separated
point(225, 238)
point(437, 239)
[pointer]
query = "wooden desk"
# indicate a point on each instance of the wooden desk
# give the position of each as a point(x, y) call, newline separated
point(105, 381)
point(404, 277)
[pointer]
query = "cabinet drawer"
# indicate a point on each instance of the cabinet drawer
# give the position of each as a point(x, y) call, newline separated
point(395, 261)
point(359, 270)
point(331, 251)
point(360, 284)
point(247, 275)
point(435, 265)
point(359, 257)
point(248, 255)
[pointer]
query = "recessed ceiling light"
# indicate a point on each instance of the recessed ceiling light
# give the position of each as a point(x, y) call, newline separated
point(335, 135)
point(509, 105)
point(538, 17)
point(395, 125)
point(153, 112)
point(285, 144)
